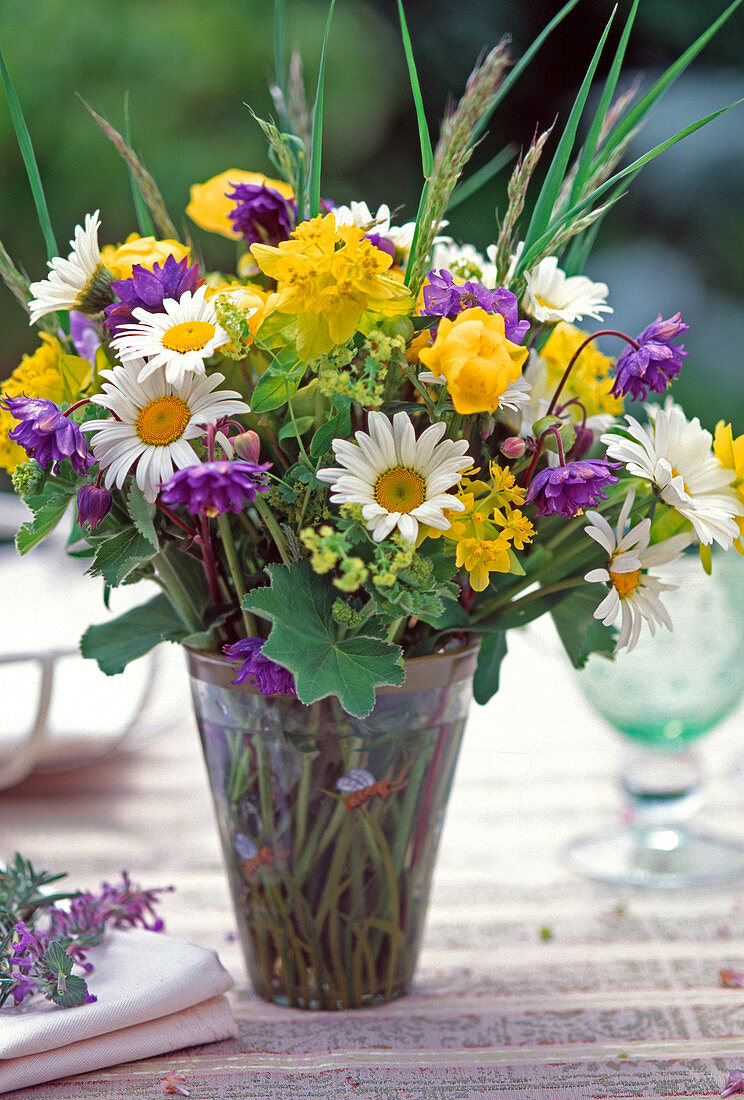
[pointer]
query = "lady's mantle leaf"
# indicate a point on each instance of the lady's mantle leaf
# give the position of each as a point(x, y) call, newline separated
point(305, 639)
point(115, 643)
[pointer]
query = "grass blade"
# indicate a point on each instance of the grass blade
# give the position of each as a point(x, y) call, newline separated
point(543, 210)
point(665, 81)
point(482, 176)
point(584, 170)
point(144, 221)
point(29, 160)
point(280, 61)
point(554, 227)
point(427, 155)
point(525, 60)
point(317, 136)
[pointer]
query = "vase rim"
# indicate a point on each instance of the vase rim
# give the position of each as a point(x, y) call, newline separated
point(422, 673)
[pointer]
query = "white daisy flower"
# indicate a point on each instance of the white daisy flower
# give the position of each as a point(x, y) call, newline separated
point(153, 421)
point(463, 261)
point(399, 480)
point(360, 215)
point(553, 296)
point(178, 339)
point(634, 593)
point(675, 454)
point(79, 282)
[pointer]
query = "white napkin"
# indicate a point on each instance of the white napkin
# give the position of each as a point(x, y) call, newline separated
point(155, 994)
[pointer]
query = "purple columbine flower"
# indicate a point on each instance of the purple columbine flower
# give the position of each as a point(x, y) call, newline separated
point(265, 674)
point(46, 434)
point(212, 488)
point(85, 335)
point(261, 214)
point(93, 505)
point(443, 297)
point(148, 290)
point(383, 243)
point(654, 363)
point(566, 490)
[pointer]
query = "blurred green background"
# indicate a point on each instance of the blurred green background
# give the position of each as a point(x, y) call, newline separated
point(675, 243)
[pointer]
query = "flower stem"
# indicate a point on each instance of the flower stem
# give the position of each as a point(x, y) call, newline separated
point(275, 530)
point(577, 353)
point(171, 584)
point(228, 542)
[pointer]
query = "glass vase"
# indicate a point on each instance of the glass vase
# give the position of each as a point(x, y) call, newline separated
point(330, 824)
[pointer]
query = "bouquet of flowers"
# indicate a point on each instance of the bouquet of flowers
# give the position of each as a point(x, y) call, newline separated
point(371, 441)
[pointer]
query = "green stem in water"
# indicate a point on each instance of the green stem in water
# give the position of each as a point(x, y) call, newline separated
point(228, 542)
point(171, 584)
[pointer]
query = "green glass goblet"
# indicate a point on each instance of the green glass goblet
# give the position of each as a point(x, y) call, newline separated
point(662, 697)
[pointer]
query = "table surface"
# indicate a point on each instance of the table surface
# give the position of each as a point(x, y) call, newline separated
point(532, 982)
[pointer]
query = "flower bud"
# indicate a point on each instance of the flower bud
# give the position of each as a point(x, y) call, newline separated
point(550, 443)
point(93, 505)
point(513, 447)
point(247, 445)
point(488, 423)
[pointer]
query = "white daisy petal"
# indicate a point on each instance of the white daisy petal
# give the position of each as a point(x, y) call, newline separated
point(553, 296)
point(78, 281)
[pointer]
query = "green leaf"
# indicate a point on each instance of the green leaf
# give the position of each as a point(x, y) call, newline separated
point(65, 988)
point(304, 638)
point(338, 427)
point(453, 617)
point(634, 116)
point(584, 169)
point(522, 612)
point(118, 556)
point(142, 513)
point(29, 160)
point(546, 200)
point(427, 155)
point(280, 53)
point(48, 507)
point(317, 134)
point(297, 427)
point(490, 656)
point(580, 633)
point(272, 391)
point(144, 221)
point(115, 643)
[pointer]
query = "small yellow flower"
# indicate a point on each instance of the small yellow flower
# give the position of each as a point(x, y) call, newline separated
point(145, 251)
point(730, 453)
point(476, 359)
point(590, 378)
point(516, 527)
point(481, 558)
point(331, 281)
point(210, 207)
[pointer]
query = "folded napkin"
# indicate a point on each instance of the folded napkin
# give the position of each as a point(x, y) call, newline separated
point(155, 994)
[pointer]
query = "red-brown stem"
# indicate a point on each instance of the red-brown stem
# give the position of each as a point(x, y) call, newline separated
point(190, 531)
point(552, 430)
point(210, 566)
point(82, 401)
point(577, 353)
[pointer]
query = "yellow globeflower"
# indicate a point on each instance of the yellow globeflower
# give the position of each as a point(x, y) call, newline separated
point(332, 282)
point(145, 251)
point(475, 358)
point(48, 373)
point(730, 453)
point(210, 206)
point(590, 378)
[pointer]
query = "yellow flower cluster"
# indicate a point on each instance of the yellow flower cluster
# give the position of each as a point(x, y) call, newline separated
point(331, 282)
point(490, 527)
point(476, 359)
point(590, 377)
point(49, 373)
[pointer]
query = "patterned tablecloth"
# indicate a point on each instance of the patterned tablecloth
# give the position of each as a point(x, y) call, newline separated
point(532, 983)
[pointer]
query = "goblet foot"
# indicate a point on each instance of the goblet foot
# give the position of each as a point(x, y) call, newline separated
point(656, 856)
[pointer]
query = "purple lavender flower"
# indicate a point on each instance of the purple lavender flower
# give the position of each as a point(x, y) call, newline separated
point(212, 488)
point(46, 434)
point(148, 290)
point(261, 214)
point(443, 297)
point(93, 505)
point(654, 363)
point(568, 489)
point(265, 674)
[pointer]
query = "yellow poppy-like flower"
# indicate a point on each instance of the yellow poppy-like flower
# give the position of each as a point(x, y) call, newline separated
point(331, 282)
point(210, 207)
point(145, 251)
point(48, 373)
point(477, 361)
point(590, 378)
point(482, 557)
point(730, 453)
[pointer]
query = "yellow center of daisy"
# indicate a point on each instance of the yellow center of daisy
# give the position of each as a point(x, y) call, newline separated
point(625, 583)
point(162, 420)
point(400, 490)
point(188, 336)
